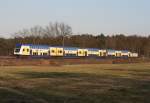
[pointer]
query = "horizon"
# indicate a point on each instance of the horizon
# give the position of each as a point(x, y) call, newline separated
point(93, 17)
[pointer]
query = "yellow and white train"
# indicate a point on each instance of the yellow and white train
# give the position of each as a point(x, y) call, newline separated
point(58, 51)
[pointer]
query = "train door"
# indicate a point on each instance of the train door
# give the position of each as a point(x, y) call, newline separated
point(100, 54)
point(53, 51)
point(30, 52)
point(118, 54)
point(85, 53)
point(80, 52)
point(49, 52)
point(104, 54)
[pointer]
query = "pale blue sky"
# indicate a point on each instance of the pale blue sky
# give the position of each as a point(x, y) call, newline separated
point(85, 16)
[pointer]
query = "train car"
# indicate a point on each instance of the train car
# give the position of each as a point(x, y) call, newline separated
point(25, 50)
point(118, 53)
point(39, 50)
point(70, 51)
point(103, 53)
point(59, 51)
point(81, 52)
point(111, 53)
point(22, 50)
point(56, 51)
point(133, 55)
point(125, 53)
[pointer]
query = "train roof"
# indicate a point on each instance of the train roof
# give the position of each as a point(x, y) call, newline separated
point(111, 50)
point(45, 46)
point(34, 46)
point(92, 49)
point(124, 51)
point(71, 48)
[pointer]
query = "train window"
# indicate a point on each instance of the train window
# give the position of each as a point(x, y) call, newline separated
point(80, 52)
point(60, 51)
point(53, 51)
point(104, 53)
point(100, 53)
point(23, 49)
point(31, 52)
point(44, 53)
point(34, 53)
point(85, 53)
point(27, 50)
point(17, 50)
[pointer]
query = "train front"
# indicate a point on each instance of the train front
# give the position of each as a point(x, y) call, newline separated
point(17, 50)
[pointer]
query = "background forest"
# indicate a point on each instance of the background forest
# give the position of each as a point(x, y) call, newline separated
point(59, 34)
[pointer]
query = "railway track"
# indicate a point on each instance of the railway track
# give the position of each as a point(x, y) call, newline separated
point(7, 57)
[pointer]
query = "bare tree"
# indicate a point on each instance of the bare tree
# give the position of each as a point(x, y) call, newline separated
point(36, 31)
point(23, 33)
point(52, 30)
point(57, 29)
point(65, 30)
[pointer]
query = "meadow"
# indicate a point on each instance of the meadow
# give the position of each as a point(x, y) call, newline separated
point(88, 83)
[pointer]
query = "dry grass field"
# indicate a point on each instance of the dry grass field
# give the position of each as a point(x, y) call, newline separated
point(93, 83)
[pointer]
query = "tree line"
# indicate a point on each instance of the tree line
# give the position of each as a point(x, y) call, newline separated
point(58, 34)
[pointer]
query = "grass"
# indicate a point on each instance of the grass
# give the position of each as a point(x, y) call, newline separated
point(100, 83)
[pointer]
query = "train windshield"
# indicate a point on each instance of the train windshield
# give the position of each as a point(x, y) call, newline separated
point(17, 50)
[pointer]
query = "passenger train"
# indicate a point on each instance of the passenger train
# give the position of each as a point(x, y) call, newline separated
point(31, 50)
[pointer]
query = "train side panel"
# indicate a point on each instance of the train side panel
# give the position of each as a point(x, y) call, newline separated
point(102, 53)
point(59, 51)
point(93, 52)
point(44, 50)
point(118, 54)
point(111, 53)
point(70, 52)
point(80, 52)
point(53, 51)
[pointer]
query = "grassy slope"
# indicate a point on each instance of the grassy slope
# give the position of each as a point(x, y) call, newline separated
point(120, 83)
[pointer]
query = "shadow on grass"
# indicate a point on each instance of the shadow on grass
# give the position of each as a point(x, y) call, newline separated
point(85, 88)
point(8, 95)
point(53, 75)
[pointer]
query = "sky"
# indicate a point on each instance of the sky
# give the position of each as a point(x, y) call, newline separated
point(84, 16)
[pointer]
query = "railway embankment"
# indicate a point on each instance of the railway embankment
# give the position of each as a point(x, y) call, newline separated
point(12, 61)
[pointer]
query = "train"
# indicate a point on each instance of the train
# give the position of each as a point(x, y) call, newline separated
point(32, 50)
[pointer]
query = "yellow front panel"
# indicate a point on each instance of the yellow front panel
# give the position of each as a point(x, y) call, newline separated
point(80, 52)
point(59, 51)
point(25, 51)
point(53, 51)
